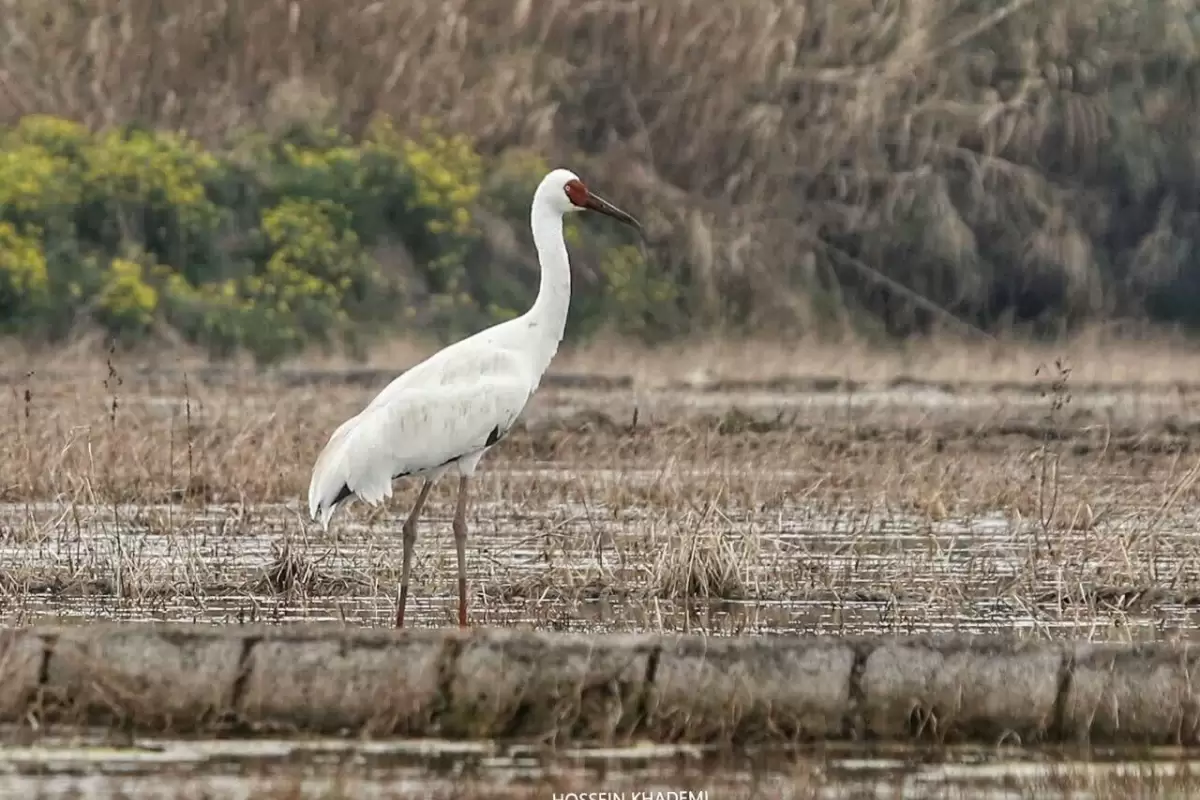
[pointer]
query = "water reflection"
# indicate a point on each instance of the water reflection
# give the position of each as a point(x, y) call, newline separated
point(92, 767)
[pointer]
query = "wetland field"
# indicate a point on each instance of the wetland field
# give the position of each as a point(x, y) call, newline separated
point(716, 490)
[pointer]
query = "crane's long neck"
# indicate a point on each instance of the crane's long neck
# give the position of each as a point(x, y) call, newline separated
point(548, 317)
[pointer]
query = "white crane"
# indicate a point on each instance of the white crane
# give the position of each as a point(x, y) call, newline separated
point(446, 411)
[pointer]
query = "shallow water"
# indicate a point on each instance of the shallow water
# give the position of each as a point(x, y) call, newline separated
point(90, 766)
point(897, 405)
point(579, 566)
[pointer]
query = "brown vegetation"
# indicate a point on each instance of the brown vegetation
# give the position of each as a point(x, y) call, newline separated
point(1002, 159)
point(866, 502)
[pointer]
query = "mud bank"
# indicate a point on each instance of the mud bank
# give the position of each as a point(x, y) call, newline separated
point(499, 684)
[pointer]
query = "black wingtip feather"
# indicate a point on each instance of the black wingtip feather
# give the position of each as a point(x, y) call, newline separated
point(342, 494)
point(494, 436)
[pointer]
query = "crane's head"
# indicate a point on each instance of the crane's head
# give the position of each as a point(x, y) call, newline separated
point(565, 193)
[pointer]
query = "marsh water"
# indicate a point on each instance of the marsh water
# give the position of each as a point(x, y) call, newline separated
point(91, 767)
point(574, 568)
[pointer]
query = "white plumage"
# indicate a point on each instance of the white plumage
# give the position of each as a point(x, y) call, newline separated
point(445, 412)
point(417, 428)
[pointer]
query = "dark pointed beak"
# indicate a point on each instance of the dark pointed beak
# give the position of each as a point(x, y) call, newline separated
point(597, 203)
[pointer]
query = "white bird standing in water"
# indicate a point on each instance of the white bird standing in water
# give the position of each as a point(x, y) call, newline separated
point(446, 411)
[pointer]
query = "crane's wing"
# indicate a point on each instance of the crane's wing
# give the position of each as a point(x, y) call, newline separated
point(417, 429)
point(469, 361)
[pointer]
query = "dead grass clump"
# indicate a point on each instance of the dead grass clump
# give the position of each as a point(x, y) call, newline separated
point(702, 563)
point(294, 574)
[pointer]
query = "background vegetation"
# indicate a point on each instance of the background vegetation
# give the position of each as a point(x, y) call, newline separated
point(276, 241)
point(263, 173)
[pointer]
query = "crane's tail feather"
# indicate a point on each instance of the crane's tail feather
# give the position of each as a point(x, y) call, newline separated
point(322, 511)
point(323, 501)
point(328, 487)
point(323, 516)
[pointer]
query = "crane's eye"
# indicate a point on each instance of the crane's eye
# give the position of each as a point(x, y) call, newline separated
point(577, 193)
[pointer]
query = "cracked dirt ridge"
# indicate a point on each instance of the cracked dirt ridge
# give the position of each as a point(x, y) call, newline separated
point(333, 680)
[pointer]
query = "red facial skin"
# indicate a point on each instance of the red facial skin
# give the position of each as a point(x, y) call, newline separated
point(577, 193)
point(580, 197)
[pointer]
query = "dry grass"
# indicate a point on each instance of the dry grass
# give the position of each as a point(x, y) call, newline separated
point(968, 154)
point(142, 490)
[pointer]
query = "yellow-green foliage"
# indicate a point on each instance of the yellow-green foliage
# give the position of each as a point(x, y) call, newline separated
point(331, 172)
point(214, 312)
point(304, 233)
point(33, 181)
point(177, 287)
point(329, 160)
point(23, 273)
point(632, 289)
point(284, 288)
point(126, 299)
point(448, 174)
point(442, 178)
point(161, 170)
point(61, 137)
point(313, 264)
point(270, 244)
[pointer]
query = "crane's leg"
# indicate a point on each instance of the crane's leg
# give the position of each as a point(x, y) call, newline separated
point(460, 547)
point(410, 539)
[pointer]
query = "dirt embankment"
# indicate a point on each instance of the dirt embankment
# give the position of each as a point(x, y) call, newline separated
point(497, 684)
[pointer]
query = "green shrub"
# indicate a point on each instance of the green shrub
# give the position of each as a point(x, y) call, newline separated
point(24, 277)
point(633, 290)
point(150, 190)
point(126, 303)
point(268, 246)
point(59, 137)
point(35, 184)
